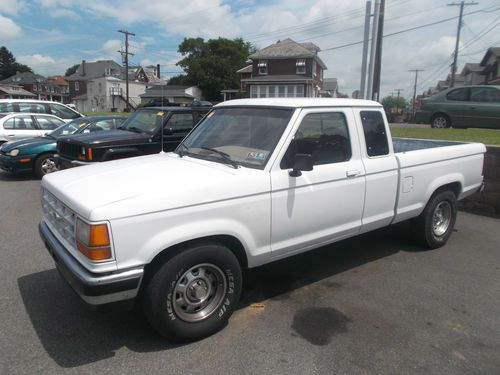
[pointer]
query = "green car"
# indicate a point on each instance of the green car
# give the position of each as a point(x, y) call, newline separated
point(462, 107)
point(37, 154)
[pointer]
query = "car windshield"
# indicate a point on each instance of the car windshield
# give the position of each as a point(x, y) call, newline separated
point(237, 136)
point(69, 128)
point(143, 121)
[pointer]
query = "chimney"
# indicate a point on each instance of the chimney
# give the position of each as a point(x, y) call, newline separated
point(84, 68)
point(158, 70)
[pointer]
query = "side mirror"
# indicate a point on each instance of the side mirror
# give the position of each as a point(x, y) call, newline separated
point(168, 131)
point(303, 162)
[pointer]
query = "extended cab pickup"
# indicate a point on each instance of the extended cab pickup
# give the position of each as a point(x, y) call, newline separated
point(257, 180)
point(141, 134)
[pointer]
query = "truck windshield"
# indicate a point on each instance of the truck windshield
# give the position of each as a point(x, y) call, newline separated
point(143, 121)
point(237, 136)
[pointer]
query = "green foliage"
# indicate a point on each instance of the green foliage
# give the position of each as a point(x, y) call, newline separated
point(486, 136)
point(71, 70)
point(212, 64)
point(391, 103)
point(8, 64)
point(180, 80)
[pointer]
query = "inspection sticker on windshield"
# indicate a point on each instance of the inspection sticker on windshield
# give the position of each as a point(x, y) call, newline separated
point(159, 113)
point(260, 156)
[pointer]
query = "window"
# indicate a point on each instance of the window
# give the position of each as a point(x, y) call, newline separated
point(48, 123)
point(484, 94)
point(253, 91)
point(272, 91)
point(31, 107)
point(107, 71)
point(281, 91)
point(262, 65)
point(262, 91)
point(63, 112)
point(100, 87)
point(19, 123)
point(299, 91)
point(375, 134)
point(9, 124)
point(458, 94)
point(180, 121)
point(301, 66)
point(77, 86)
point(324, 136)
point(7, 107)
point(100, 126)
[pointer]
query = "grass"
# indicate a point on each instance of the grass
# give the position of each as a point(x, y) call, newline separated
point(106, 113)
point(486, 136)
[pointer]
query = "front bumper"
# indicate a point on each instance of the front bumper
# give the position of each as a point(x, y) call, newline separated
point(95, 289)
point(65, 163)
point(13, 164)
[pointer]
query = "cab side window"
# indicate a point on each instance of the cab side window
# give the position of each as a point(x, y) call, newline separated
point(180, 122)
point(324, 136)
point(375, 134)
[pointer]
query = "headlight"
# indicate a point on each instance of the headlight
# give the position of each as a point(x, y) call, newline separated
point(13, 152)
point(93, 240)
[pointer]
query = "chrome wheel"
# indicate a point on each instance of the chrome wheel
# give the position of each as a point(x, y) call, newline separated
point(48, 166)
point(441, 218)
point(440, 122)
point(199, 292)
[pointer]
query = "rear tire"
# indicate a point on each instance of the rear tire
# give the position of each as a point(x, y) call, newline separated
point(433, 227)
point(194, 293)
point(45, 164)
point(440, 120)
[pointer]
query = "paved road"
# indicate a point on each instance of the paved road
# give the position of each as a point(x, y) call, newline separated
point(373, 304)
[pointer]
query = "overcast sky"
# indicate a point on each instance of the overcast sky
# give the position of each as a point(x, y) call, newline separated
point(51, 35)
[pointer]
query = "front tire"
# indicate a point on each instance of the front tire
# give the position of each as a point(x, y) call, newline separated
point(433, 227)
point(45, 164)
point(440, 121)
point(194, 293)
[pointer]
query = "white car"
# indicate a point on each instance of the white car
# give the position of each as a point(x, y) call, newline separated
point(257, 180)
point(39, 106)
point(16, 126)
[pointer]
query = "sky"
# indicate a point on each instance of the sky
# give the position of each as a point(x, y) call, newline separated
point(52, 35)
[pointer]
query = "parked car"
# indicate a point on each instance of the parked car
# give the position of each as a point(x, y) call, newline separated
point(15, 126)
point(37, 154)
point(257, 180)
point(39, 106)
point(462, 107)
point(141, 134)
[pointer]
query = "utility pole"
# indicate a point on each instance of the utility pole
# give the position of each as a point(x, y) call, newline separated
point(127, 33)
point(378, 53)
point(371, 68)
point(365, 49)
point(455, 56)
point(397, 100)
point(414, 90)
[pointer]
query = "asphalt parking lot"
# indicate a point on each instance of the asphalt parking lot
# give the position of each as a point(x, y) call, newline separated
point(371, 304)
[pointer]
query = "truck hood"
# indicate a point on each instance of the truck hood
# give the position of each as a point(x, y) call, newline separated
point(106, 138)
point(151, 183)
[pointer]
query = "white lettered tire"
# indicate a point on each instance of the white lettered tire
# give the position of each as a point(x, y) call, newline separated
point(194, 293)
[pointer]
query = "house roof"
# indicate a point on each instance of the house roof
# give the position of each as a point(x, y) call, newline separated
point(277, 79)
point(471, 67)
point(288, 48)
point(246, 69)
point(25, 78)
point(15, 90)
point(95, 69)
point(491, 51)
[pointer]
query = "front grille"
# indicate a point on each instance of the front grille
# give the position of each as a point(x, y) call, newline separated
point(68, 149)
point(62, 219)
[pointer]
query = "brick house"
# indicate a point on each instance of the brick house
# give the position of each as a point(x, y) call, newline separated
point(52, 88)
point(284, 69)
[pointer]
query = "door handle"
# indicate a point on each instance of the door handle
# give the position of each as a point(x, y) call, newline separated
point(11, 135)
point(352, 173)
point(472, 107)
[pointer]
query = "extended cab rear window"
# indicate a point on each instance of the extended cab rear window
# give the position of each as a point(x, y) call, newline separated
point(375, 134)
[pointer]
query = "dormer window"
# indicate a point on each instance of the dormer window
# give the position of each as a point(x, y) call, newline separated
point(107, 71)
point(301, 66)
point(262, 65)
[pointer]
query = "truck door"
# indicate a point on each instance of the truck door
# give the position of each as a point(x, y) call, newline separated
point(324, 204)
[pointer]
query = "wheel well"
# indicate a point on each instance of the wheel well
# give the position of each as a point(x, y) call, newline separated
point(230, 242)
point(440, 113)
point(454, 187)
point(42, 154)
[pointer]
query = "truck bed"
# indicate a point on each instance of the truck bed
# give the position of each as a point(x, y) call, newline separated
point(409, 144)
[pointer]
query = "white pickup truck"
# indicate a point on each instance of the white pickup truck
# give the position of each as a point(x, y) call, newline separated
point(257, 180)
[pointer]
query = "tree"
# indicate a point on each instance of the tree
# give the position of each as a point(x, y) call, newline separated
point(212, 64)
point(8, 64)
point(392, 105)
point(71, 70)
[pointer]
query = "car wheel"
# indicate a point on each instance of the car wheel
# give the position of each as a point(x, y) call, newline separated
point(440, 121)
point(194, 293)
point(433, 227)
point(45, 164)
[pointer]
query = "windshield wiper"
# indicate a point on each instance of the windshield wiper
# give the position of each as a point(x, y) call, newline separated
point(225, 156)
point(186, 150)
